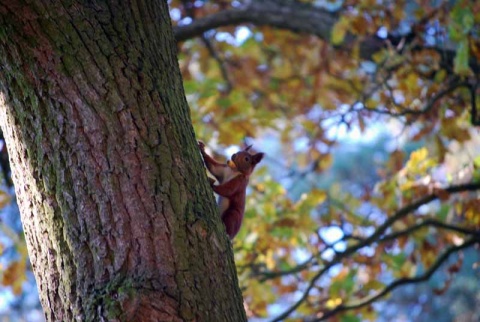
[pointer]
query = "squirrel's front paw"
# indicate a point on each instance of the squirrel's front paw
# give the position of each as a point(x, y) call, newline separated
point(201, 145)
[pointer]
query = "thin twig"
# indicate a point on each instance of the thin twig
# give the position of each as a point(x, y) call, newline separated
point(402, 281)
point(220, 62)
point(427, 223)
point(473, 95)
point(374, 237)
point(426, 108)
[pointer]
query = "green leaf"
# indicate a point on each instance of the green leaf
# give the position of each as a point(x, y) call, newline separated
point(476, 169)
point(462, 23)
point(224, 102)
point(476, 162)
point(349, 318)
point(349, 282)
point(209, 88)
point(344, 283)
point(463, 17)
point(190, 86)
point(398, 260)
point(461, 58)
point(443, 212)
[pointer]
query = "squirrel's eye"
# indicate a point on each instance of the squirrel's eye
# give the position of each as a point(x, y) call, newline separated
point(247, 159)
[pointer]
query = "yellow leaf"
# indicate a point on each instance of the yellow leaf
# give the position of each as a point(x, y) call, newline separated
point(339, 30)
point(341, 275)
point(269, 260)
point(260, 187)
point(325, 162)
point(374, 285)
point(4, 199)
point(333, 303)
point(440, 76)
point(473, 216)
point(317, 196)
point(408, 269)
point(14, 276)
point(417, 156)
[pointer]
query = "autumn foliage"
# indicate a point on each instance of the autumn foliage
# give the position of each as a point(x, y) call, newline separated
point(409, 67)
point(296, 88)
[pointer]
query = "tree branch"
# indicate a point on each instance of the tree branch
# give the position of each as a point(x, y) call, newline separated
point(406, 210)
point(282, 14)
point(427, 223)
point(304, 18)
point(403, 281)
point(473, 99)
point(221, 64)
point(266, 275)
point(431, 103)
point(374, 237)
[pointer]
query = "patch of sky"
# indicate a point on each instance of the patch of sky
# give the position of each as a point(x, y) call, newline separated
point(232, 150)
point(185, 21)
point(301, 144)
point(333, 235)
point(382, 32)
point(368, 66)
point(343, 132)
point(242, 34)
point(429, 208)
point(434, 34)
point(315, 112)
point(330, 5)
point(225, 37)
point(301, 255)
point(176, 14)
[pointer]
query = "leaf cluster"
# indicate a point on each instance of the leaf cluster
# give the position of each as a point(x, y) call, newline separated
point(327, 249)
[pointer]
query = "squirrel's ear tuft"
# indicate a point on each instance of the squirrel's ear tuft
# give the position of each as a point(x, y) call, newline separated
point(256, 158)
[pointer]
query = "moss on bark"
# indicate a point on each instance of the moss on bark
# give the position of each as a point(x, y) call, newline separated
point(118, 217)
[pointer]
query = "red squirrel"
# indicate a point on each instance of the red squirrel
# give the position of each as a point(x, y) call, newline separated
point(232, 184)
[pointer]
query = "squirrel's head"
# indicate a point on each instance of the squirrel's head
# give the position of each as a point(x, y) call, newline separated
point(245, 162)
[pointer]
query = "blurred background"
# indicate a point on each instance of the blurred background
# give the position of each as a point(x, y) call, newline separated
point(366, 206)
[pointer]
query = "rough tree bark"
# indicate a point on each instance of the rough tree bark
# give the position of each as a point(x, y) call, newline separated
point(119, 221)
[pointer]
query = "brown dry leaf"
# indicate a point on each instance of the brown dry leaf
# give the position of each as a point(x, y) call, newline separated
point(14, 276)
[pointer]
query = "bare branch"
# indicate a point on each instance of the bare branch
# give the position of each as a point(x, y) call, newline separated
point(290, 15)
point(303, 18)
point(405, 211)
point(266, 275)
point(403, 281)
point(427, 107)
point(189, 9)
point(220, 62)
point(375, 237)
point(427, 223)
point(473, 100)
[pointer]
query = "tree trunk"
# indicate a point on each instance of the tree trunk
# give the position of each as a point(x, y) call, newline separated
point(119, 220)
